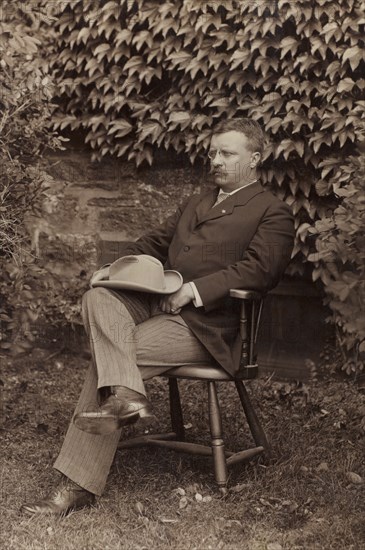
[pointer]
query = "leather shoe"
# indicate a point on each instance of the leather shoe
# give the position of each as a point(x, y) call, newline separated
point(66, 497)
point(123, 406)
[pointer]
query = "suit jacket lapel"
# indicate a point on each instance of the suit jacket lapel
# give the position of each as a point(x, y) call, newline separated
point(205, 204)
point(205, 211)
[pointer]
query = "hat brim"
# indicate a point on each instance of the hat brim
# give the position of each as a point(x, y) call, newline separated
point(173, 282)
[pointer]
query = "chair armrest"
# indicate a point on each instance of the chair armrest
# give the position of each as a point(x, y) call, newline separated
point(246, 294)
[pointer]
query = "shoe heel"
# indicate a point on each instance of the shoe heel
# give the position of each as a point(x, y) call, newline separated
point(147, 420)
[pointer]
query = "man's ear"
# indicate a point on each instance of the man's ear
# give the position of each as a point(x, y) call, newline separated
point(255, 159)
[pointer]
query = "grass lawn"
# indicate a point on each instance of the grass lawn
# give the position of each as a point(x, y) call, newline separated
point(308, 497)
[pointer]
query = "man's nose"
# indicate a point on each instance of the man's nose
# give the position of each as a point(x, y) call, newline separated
point(217, 159)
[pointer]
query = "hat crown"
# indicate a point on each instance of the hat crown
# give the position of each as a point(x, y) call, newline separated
point(141, 269)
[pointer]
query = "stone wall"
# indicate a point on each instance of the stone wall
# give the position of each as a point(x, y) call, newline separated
point(99, 204)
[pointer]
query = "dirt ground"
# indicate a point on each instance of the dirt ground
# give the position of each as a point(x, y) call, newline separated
point(310, 496)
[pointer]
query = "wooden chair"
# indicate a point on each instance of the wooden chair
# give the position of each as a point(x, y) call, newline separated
point(251, 307)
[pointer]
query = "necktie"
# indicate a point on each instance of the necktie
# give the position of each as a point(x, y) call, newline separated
point(220, 198)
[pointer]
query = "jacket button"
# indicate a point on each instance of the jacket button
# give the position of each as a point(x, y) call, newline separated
point(186, 248)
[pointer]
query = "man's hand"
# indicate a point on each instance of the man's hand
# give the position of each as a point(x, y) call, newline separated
point(174, 302)
point(102, 273)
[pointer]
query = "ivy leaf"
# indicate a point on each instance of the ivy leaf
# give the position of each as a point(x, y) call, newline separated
point(124, 35)
point(142, 38)
point(274, 124)
point(179, 116)
point(102, 48)
point(333, 69)
point(201, 120)
point(299, 146)
point(111, 7)
point(92, 66)
point(302, 231)
point(240, 58)
point(322, 187)
point(83, 35)
point(195, 66)
point(120, 128)
point(123, 146)
point(318, 45)
point(154, 53)
point(150, 129)
point(179, 59)
point(96, 121)
point(205, 21)
point(288, 44)
point(67, 21)
point(354, 55)
point(285, 83)
point(134, 64)
point(221, 76)
point(306, 185)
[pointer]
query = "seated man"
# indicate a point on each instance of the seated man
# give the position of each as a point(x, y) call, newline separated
point(234, 236)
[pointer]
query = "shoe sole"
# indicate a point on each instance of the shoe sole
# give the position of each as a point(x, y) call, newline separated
point(29, 511)
point(103, 425)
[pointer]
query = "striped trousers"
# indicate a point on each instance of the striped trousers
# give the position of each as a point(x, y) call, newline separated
point(131, 340)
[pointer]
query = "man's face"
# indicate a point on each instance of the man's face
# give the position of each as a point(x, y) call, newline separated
point(232, 163)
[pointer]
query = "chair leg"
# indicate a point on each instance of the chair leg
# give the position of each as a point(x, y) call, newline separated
point(215, 420)
point(252, 419)
point(177, 421)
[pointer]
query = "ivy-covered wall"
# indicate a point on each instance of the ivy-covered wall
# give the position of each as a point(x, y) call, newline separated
point(137, 76)
point(141, 75)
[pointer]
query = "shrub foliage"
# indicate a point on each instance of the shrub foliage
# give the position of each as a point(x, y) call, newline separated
point(340, 260)
point(25, 111)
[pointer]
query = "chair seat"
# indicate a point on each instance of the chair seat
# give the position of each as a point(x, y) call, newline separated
point(202, 371)
point(209, 372)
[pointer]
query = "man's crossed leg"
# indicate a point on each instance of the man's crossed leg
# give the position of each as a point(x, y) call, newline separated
point(131, 340)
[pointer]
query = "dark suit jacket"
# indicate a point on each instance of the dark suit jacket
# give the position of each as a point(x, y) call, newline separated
point(244, 242)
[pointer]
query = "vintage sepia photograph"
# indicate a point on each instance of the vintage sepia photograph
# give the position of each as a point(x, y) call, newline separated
point(182, 274)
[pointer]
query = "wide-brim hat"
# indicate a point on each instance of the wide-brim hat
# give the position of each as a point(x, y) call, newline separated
point(141, 272)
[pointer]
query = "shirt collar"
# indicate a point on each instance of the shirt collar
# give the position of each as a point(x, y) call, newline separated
point(236, 190)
